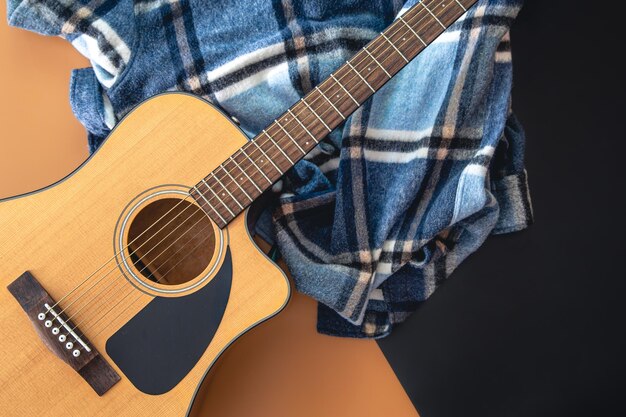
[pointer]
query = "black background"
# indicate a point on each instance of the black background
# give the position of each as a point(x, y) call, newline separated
point(533, 323)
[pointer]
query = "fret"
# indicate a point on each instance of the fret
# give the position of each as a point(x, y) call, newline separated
point(401, 18)
point(394, 47)
point(243, 171)
point(303, 126)
point(210, 205)
point(316, 115)
point(433, 15)
point(290, 137)
point(243, 151)
point(450, 13)
point(218, 198)
point(279, 148)
point(268, 159)
point(331, 103)
point(236, 183)
point(227, 190)
point(360, 76)
point(344, 89)
point(400, 43)
point(376, 61)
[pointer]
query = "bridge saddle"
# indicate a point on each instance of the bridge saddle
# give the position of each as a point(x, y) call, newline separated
point(60, 335)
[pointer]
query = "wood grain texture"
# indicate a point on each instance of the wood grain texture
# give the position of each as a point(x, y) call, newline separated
point(282, 368)
point(65, 232)
point(29, 293)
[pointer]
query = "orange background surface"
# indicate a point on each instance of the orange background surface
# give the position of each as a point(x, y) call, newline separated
point(281, 368)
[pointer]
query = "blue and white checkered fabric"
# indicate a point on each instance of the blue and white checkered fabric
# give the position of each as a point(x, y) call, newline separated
point(385, 208)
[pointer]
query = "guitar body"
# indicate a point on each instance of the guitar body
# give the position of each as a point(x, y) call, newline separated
point(118, 289)
point(162, 344)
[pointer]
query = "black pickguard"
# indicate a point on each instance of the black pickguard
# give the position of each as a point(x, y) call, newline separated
point(162, 343)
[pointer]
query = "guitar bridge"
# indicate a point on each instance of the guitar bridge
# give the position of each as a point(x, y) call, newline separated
point(60, 335)
point(67, 327)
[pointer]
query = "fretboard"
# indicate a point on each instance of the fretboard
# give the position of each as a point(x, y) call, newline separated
point(257, 165)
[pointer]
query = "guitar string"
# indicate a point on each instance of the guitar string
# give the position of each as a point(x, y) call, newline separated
point(127, 295)
point(158, 281)
point(130, 243)
point(140, 293)
point(242, 168)
point(204, 216)
point(76, 299)
point(164, 274)
point(377, 47)
point(142, 256)
point(424, 14)
point(113, 257)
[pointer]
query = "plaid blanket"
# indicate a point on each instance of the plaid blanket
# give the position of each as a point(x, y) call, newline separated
point(392, 201)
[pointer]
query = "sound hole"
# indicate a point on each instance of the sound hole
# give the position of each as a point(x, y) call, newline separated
point(171, 241)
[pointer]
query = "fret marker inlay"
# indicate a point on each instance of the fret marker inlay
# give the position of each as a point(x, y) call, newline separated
point(268, 159)
point(331, 103)
point(376, 61)
point(433, 15)
point(243, 171)
point(210, 205)
point(360, 76)
point(394, 47)
point(236, 183)
point(256, 166)
point(414, 32)
point(323, 108)
point(277, 146)
point(227, 190)
point(218, 197)
point(344, 89)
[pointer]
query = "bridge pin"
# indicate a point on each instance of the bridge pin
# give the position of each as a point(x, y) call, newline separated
point(69, 345)
point(76, 353)
point(48, 323)
point(55, 330)
point(62, 338)
point(41, 316)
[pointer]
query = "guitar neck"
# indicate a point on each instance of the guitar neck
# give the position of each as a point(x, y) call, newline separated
point(235, 184)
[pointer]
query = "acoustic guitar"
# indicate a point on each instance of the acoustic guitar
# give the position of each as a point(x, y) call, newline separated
point(123, 283)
